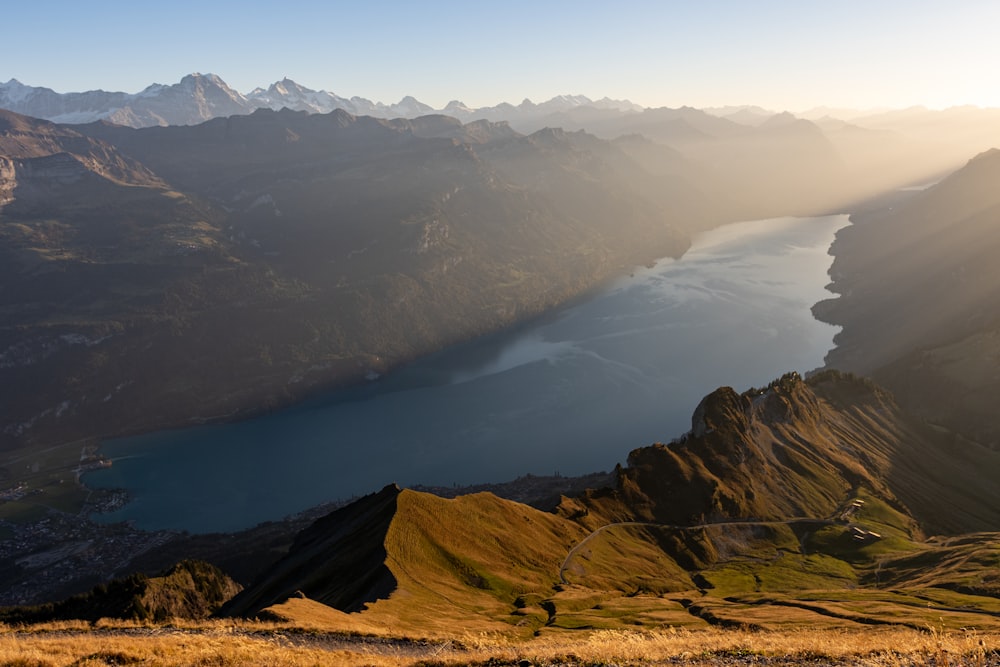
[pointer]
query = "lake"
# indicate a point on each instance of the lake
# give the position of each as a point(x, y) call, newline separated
point(571, 393)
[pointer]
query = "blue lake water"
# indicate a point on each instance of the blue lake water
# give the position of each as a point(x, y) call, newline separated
point(572, 393)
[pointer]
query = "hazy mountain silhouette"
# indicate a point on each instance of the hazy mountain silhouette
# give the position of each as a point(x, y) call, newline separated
point(918, 298)
point(264, 256)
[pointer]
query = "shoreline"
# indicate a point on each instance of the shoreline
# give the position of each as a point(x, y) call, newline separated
point(269, 526)
point(359, 381)
point(836, 310)
point(771, 248)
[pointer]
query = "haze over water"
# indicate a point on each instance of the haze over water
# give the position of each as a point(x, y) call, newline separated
point(573, 393)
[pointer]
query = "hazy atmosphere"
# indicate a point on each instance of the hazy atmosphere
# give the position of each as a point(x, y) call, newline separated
point(545, 334)
point(782, 55)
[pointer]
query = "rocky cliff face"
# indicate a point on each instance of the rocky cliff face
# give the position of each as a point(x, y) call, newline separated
point(8, 180)
point(798, 449)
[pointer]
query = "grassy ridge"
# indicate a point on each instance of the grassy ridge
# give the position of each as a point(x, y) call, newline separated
point(456, 565)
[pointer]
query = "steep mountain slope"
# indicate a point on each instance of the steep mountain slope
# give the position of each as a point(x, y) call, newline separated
point(315, 569)
point(320, 248)
point(919, 301)
point(23, 138)
point(478, 552)
point(92, 244)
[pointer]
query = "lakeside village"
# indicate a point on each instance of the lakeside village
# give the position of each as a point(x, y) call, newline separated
point(90, 459)
point(48, 539)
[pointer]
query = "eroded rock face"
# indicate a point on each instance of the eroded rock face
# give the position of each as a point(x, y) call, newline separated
point(8, 180)
point(722, 407)
point(59, 168)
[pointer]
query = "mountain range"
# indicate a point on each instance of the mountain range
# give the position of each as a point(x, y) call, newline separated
point(906, 144)
point(200, 97)
point(324, 248)
point(192, 271)
point(874, 150)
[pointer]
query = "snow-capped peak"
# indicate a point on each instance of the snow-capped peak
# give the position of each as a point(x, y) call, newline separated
point(151, 90)
point(198, 97)
point(14, 91)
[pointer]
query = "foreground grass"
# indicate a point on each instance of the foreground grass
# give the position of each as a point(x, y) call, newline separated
point(229, 643)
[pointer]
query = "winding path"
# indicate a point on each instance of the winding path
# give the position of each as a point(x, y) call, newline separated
point(700, 526)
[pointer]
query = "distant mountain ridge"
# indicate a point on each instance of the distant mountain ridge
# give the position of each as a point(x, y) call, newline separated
point(877, 151)
point(200, 97)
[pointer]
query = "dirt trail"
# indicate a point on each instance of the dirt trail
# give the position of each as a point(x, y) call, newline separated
point(700, 526)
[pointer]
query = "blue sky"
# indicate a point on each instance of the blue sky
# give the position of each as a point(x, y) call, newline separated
point(780, 54)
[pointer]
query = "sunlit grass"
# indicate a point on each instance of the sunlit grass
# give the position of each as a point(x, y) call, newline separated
point(234, 644)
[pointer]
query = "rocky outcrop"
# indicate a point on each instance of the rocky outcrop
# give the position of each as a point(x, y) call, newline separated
point(8, 180)
point(191, 590)
point(59, 169)
point(800, 448)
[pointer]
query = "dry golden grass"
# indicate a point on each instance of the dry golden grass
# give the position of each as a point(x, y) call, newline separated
point(214, 643)
point(311, 615)
point(230, 644)
point(713, 646)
